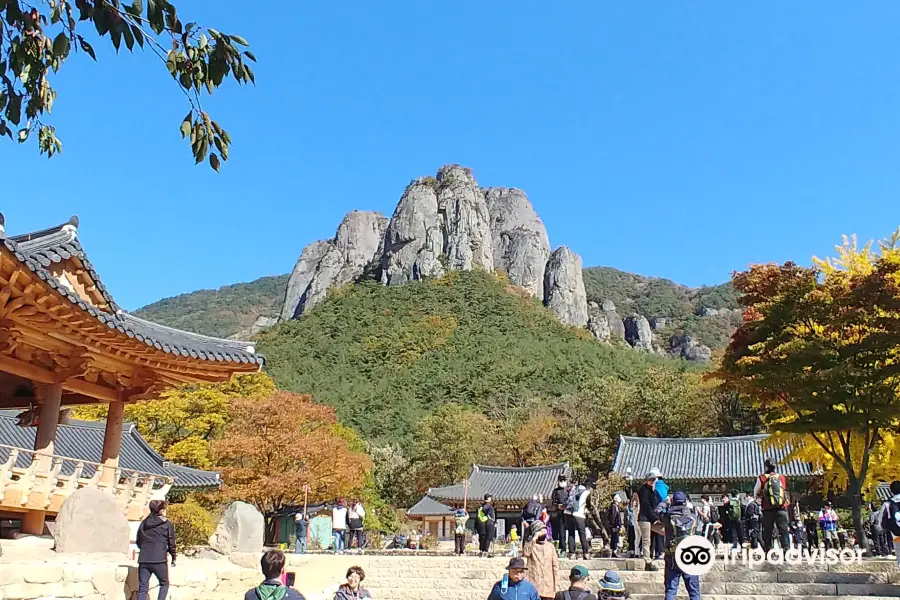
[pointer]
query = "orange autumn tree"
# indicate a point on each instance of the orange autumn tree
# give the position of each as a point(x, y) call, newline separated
point(275, 446)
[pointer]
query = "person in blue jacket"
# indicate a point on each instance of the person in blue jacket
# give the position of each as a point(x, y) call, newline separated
point(514, 586)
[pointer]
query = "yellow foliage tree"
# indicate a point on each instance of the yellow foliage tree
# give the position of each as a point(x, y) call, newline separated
point(182, 422)
point(818, 354)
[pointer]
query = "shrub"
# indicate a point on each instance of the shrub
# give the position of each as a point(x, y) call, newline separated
point(429, 542)
point(193, 524)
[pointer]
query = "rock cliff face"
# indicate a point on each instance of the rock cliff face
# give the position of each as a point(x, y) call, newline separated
point(466, 220)
point(414, 240)
point(564, 288)
point(449, 223)
point(520, 244)
point(335, 262)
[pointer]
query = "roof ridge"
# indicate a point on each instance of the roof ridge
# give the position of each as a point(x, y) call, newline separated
point(727, 438)
point(199, 336)
point(554, 466)
point(70, 225)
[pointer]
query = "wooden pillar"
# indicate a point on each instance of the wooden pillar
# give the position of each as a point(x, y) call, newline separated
point(48, 420)
point(112, 443)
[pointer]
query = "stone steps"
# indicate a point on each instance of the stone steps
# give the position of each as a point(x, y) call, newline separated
point(683, 595)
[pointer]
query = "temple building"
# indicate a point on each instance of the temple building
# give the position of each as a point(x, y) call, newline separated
point(64, 342)
point(510, 487)
point(711, 466)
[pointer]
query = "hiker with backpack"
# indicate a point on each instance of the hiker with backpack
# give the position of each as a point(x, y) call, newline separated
point(680, 522)
point(576, 521)
point(614, 524)
point(558, 499)
point(531, 513)
point(876, 533)
point(487, 525)
point(890, 518)
point(460, 517)
point(753, 522)
point(578, 586)
point(828, 523)
point(272, 588)
point(771, 489)
point(730, 516)
point(647, 503)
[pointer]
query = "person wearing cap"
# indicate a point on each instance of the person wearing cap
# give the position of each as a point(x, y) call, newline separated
point(487, 522)
point(612, 587)
point(543, 562)
point(558, 499)
point(647, 504)
point(514, 586)
point(578, 590)
point(678, 518)
point(828, 522)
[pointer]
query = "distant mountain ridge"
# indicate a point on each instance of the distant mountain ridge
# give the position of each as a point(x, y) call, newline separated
point(234, 310)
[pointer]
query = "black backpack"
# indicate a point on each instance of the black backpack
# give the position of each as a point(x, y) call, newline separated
point(713, 513)
point(531, 510)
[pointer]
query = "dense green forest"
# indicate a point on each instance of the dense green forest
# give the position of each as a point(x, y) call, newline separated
point(223, 312)
point(384, 357)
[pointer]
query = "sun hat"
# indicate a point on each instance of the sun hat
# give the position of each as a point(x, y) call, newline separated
point(578, 573)
point(612, 582)
point(537, 526)
point(654, 473)
point(516, 563)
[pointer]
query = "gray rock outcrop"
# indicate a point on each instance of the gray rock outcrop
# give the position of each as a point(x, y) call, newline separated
point(302, 274)
point(686, 347)
point(564, 288)
point(334, 263)
point(658, 323)
point(91, 521)
point(608, 305)
point(520, 244)
point(467, 222)
point(241, 529)
point(414, 240)
point(613, 319)
point(638, 333)
point(598, 323)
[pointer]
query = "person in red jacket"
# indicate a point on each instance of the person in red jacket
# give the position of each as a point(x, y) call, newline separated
point(771, 489)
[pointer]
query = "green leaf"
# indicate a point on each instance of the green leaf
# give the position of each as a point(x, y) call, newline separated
point(116, 38)
point(203, 40)
point(14, 109)
point(2, 97)
point(213, 32)
point(239, 40)
point(185, 128)
point(155, 16)
point(61, 45)
point(138, 35)
point(214, 161)
point(129, 38)
point(135, 9)
point(250, 55)
point(87, 47)
point(185, 80)
point(101, 21)
point(170, 62)
point(23, 135)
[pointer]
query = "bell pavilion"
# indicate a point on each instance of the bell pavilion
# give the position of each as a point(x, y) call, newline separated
point(64, 342)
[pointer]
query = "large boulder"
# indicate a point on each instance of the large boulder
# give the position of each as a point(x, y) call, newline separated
point(241, 529)
point(91, 521)
point(519, 239)
point(467, 230)
point(686, 347)
point(564, 288)
point(414, 240)
point(334, 263)
point(598, 323)
point(638, 333)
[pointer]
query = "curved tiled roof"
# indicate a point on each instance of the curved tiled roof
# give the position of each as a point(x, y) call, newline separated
point(703, 459)
point(505, 484)
point(83, 440)
point(40, 249)
point(429, 507)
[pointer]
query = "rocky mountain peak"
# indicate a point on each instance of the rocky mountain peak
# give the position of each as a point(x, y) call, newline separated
point(564, 288)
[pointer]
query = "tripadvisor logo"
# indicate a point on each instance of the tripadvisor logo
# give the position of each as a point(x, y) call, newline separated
point(695, 555)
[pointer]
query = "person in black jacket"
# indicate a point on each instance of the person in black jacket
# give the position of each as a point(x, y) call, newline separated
point(155, 539)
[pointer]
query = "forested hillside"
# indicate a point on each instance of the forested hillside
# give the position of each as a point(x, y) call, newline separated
point(386, 356)
point(223, 312)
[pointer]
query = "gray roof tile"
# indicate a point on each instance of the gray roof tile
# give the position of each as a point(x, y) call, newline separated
point(702, 459)
point(37, 249)
point(505, 484)
point(83, 440)
point(429, 507)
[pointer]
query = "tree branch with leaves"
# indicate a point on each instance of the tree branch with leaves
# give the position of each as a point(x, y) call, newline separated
point(37, 39)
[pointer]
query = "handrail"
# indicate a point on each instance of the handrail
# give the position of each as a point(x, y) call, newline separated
point(88, 462)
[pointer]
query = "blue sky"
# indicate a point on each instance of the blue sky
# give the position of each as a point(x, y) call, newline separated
point(682, 140)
